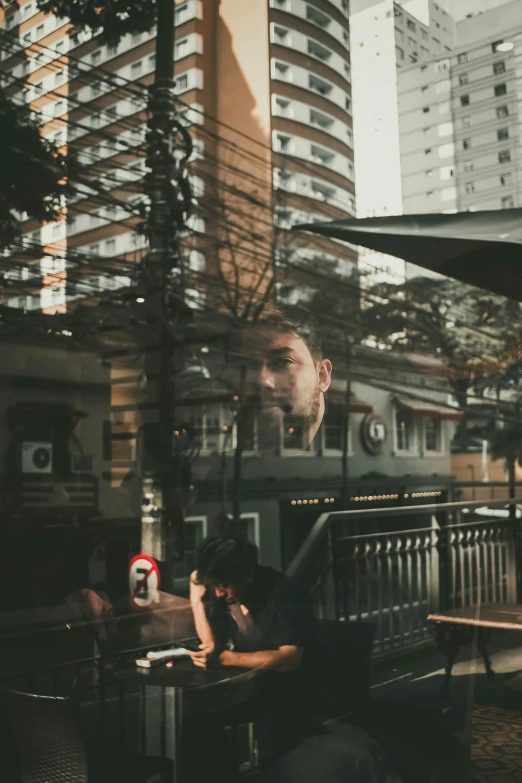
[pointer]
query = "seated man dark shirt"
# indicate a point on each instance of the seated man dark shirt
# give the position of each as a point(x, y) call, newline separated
point(251, 616)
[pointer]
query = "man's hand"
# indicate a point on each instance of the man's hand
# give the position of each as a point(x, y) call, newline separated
point(205, 657)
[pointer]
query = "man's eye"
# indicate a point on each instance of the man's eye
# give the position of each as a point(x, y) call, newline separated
point(282, 362)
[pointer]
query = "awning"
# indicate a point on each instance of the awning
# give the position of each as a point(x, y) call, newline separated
point(358, 406)
point(426, 408)
point(480, 248)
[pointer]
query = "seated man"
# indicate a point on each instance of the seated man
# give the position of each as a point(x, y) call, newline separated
point(247, 615)
point(251, 616)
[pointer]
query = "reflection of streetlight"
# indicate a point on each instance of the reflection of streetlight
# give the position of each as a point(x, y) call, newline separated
point(472, 468)
point(505, 46)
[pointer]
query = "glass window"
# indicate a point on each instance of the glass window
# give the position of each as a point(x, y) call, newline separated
point(499, 67)
point(506, 179)
point(466, 144)
point(432, 434)
point(470, 187)
point(404, 430)
point(463, 78)
point(508, 202)
point(500, 89)
point(504, 156)
point(334, 421)
point(502, 134)
point(502, 111)
point(462, 58)
point(464, 100)
point(411, 25)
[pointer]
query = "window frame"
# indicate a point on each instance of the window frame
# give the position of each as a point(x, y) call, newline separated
point(413, 448)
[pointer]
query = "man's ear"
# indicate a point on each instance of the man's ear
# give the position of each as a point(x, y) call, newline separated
point(324, 374)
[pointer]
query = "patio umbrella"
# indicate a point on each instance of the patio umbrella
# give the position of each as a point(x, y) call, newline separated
point(480, 248)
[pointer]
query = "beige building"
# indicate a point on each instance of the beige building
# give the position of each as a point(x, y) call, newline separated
point(281, 117)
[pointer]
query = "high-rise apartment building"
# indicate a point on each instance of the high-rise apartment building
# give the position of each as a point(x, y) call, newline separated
point(387, 36)
point(266, 92)
point(459, 120)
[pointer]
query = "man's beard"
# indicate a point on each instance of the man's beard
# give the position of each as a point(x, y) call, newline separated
point(290, 416)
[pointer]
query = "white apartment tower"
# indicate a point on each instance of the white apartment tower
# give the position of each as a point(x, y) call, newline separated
point(467, 157)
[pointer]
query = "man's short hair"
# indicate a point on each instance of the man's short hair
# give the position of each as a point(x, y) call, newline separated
point(223, 560)
point(293, 320)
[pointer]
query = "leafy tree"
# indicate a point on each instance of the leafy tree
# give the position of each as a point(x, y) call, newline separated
point(468, 328)
point(111, 18)
point(33, 173)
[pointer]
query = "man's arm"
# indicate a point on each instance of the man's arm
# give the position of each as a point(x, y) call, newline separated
point(285, 659)
point(203, 629)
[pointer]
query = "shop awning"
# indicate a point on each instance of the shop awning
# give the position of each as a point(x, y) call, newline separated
point(482, 248)
point(427, 408)
point(358, 406)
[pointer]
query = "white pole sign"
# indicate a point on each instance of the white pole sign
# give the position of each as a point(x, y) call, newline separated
point(144, 581)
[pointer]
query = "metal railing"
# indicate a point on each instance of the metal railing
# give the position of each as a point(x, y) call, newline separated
point(397, 574)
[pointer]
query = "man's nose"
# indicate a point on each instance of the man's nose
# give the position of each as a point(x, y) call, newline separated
point(220, 592)
point(266, 378)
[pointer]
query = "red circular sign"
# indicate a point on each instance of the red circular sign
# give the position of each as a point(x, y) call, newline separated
point(144, 581)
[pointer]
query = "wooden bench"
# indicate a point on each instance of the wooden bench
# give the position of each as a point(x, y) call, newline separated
point(457, 627)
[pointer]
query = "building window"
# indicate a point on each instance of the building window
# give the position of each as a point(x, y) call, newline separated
point(427, 151)
point(283, 107)
point(317, 17)
point(464, 100)
point(504, 156)
point(503, 134)
point(96, 57)
point(182, 82)
point(411, 25)
point(399, 52)
point(404, 431)
point(320, 119)
point(281, 35)
point(470, 188)
point(468, 166)
point(319, 51)
point(110, 247)
point(95, 120)
point(425, 109)
point(502, 111)
point(466, 122)
point(39, 31)
point(284, 143)
point(499, 67)
point(463, 78)
point(508, 202)
point(500, 89)
point(506, 179)
point(95, 88)
point(194, 533)
point(432, 427)
point(466, 144)
point(59, 77)
point(212, 429)
point(430, 194)
point(333, 428)
point(181, 13)
point(462, 58)
point(320, 155)
point(282, 71)
point(136, 38)
point(293, 439)
point(136, 69)
point(495, 45)
point(319, 85)
point(112, 49)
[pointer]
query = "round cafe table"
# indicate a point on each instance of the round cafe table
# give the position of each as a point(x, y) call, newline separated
point(166, 693)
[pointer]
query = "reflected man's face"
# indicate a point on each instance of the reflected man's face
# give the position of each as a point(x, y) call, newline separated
point(284, 381)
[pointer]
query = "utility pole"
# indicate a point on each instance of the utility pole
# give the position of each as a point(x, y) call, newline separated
point(160, 304)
